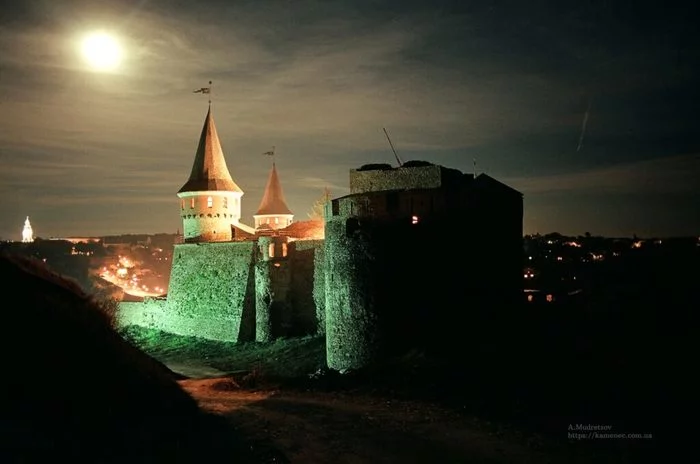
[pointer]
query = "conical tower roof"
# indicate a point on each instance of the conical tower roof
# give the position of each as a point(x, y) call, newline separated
point(209, 171)
point(273, 201)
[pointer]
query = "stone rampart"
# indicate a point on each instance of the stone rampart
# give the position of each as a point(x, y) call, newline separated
point(212, 291)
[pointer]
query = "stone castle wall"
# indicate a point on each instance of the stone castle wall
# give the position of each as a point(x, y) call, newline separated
point(394, 285)
point(424, 177)
point(272, 289)
point(351, 324)
point(150, 313)
point(308, 274)
point(237, 292)
point(212, 291)
point(385, 289)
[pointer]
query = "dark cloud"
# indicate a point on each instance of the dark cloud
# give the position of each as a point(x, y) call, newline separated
point(503, 82)
point(668, 175)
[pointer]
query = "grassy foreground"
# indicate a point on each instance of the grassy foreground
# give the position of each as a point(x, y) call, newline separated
point(280, 359)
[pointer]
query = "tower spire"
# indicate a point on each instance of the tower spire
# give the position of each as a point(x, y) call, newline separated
point(210, 201)
point(209, 171)
point(273, 212)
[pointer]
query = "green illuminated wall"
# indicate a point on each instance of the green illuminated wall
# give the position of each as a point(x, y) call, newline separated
point(351, 313)
point(147, 314)
point(212, 292)
point(264, 296)
point(235, 292)
point(319, 291)
point(308, 293)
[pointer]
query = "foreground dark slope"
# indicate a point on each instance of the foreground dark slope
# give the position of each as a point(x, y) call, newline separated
point(73, 388)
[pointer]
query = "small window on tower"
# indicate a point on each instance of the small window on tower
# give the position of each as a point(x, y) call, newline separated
point(182, 204)
point(284, 249)
point(191, 203)
point(210, 202)
point(335, 208)
point(271, 250)
point(225, 202)
point(277, 220)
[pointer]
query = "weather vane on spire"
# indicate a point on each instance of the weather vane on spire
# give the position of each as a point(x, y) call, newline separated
point(271, 153)
point(206, 90)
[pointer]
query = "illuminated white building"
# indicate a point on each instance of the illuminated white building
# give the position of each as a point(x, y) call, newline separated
point(27, 233)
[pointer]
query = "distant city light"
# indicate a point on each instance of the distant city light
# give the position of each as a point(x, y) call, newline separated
point(27, 233)
point(134, 280)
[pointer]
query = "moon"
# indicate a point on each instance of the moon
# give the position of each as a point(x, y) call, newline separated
point(101, 51)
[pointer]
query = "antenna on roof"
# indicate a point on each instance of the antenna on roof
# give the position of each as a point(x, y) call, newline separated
point(474, 168)
point(398, 160)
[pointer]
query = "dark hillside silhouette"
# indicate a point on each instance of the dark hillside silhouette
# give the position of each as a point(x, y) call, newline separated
point(73, 388)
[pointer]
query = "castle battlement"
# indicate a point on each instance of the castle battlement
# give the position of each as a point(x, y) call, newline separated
point(411, 175)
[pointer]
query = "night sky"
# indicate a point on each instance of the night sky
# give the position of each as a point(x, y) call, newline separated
point(507, 83)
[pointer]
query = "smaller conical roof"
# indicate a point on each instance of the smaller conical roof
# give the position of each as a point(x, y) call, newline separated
point(273, 201)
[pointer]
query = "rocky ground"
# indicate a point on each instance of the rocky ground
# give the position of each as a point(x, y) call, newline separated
point(268, 398)
point(355, 427)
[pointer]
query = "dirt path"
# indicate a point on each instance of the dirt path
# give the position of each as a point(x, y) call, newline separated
point(340, 427)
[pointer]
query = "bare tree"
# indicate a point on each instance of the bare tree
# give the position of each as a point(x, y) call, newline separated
point(319, 205)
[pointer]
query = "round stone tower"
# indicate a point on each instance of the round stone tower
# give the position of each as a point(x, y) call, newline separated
point(210, 201)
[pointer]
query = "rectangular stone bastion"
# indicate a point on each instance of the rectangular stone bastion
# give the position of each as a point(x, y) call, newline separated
point(211, 294)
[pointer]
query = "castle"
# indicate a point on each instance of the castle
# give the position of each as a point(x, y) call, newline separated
point(402, 255)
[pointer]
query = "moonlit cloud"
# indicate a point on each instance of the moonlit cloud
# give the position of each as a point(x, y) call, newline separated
point(319, 80)
point(319, 184)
